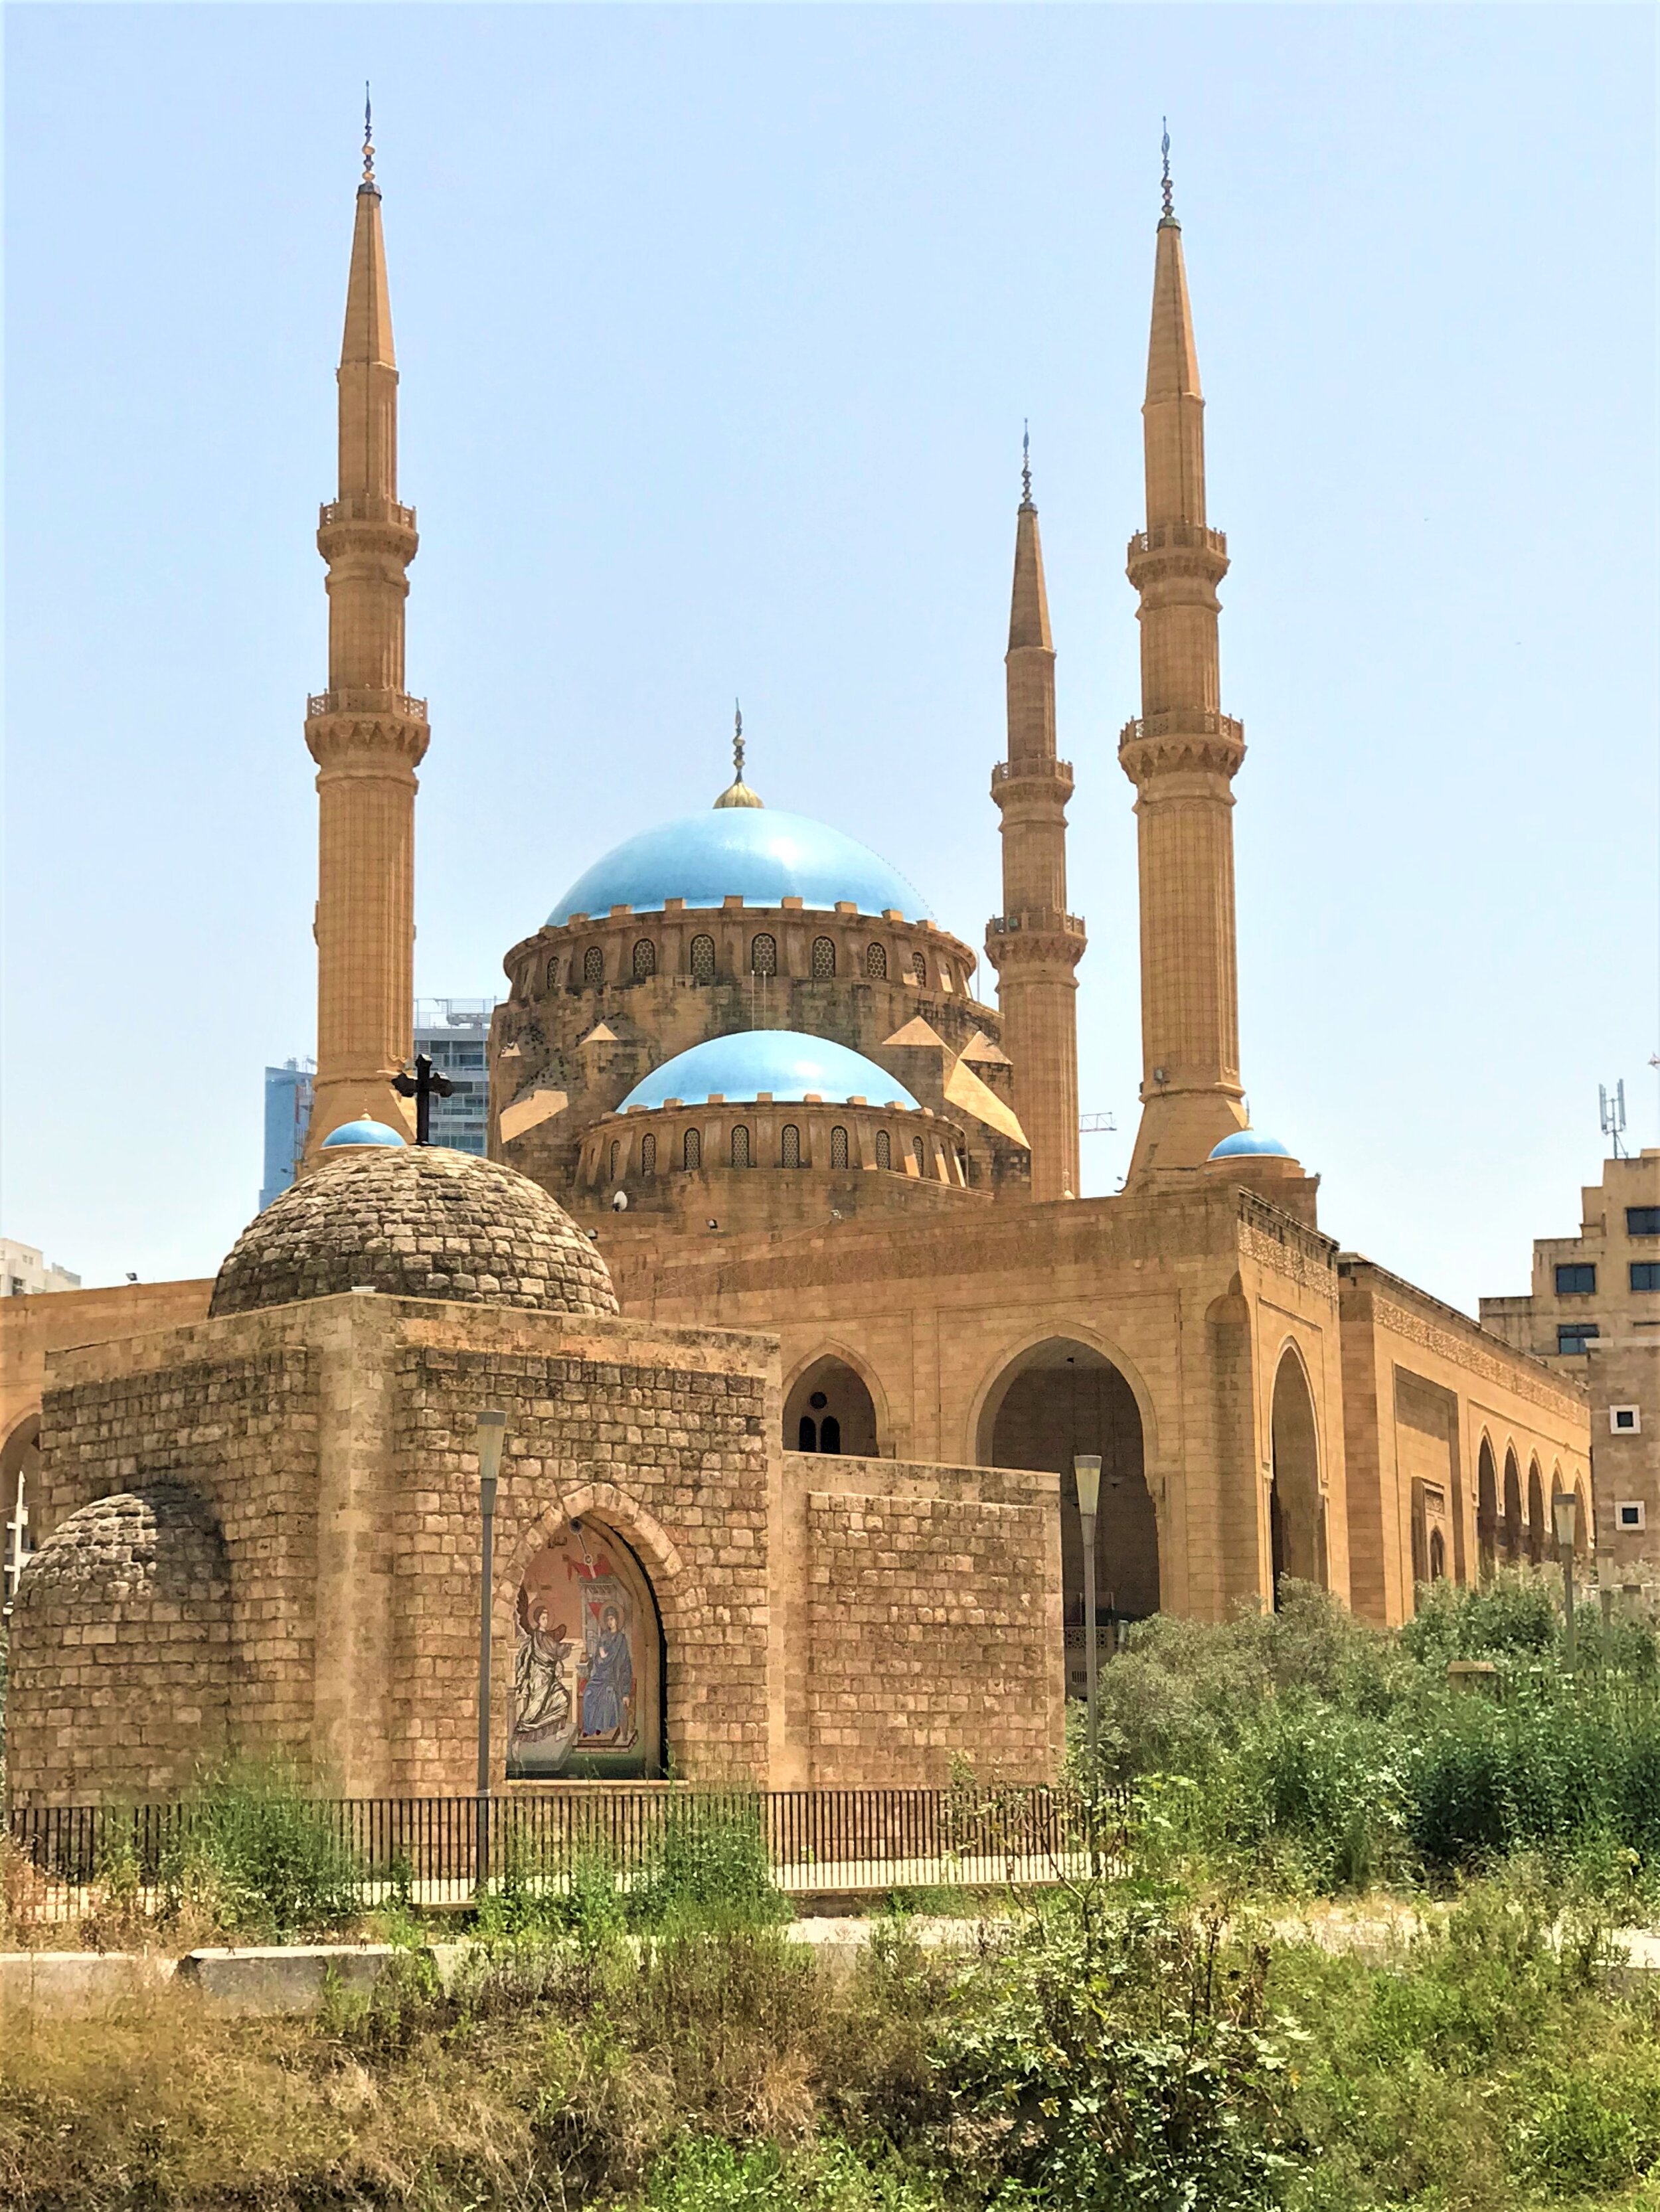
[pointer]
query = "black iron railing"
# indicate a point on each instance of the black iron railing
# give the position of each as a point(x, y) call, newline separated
point(438, 1850)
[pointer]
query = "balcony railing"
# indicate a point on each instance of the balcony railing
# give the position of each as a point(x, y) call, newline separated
point(1179, 534)
point(365, 510)
point(1036, 920)
point(367, 702)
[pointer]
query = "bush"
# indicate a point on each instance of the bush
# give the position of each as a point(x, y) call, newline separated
point(261, 1856)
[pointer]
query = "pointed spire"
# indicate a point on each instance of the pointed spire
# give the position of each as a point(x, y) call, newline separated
point(368, 137)
point(1025, 464)
point(737, 793)
point(368, 372)
point(1028, 607)
point(1174, 415)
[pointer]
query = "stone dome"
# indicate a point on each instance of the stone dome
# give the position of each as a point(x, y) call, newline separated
point(157, 1543)
point(420, 1222)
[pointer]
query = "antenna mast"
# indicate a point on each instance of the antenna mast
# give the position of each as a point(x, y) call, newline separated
point(1612, 1106)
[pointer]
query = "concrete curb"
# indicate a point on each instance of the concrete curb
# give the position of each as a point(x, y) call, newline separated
point(77, 1982)
point(278, 1978)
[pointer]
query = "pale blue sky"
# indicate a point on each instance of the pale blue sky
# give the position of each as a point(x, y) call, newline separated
point(717, 326)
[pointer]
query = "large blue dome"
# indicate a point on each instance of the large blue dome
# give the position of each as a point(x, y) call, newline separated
point(755, 853)
point(782, 1062)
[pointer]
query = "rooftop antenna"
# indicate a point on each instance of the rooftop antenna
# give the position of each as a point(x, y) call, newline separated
point(369, 137)
point(1169, 204)
point(1612, 1108)
point(1025, 464)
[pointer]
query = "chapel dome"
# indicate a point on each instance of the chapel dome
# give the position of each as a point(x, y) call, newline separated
point(783, 1063)
point(368, 1131)
point(1250, 1143)
point(416, 1222)
point(753, 852)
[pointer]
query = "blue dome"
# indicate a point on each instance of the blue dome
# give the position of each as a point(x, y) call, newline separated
point(1250, 1143)
point(362, 1133)
point(755, 853)
point(781, 1061)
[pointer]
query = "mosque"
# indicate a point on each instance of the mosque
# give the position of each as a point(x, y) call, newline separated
point(781, 1258)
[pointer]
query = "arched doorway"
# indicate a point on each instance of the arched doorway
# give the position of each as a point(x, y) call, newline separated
point(1538, 1533)
point(830, 1409)
point(587, 1686)
point(1057, 1400)
point(1514, 1539)
point(1486, 1510)
point(1296, 1511)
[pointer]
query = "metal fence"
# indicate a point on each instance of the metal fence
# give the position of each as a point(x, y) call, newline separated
point(444, 1851)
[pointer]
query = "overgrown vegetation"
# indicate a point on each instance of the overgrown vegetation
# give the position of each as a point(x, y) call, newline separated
point(1301, 1749)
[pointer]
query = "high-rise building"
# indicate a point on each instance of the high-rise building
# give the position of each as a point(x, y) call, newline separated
point(25, 1273)
point(288, 1115)
point(455, 1034)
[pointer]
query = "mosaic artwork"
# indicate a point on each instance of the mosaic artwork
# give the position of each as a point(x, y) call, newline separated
point(579, 1680)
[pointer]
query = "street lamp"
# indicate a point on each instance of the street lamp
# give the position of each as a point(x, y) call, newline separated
point(492, 1427)
point(1565, 1513)
point(1086, 1472)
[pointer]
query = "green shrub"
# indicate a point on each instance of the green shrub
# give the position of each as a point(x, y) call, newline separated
point(709, 1867)
point(261, 1856)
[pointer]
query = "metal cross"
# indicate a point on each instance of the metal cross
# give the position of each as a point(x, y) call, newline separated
point(423, 1086)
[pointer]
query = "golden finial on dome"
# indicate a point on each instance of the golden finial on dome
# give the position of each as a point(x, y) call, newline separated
point(368, 140)
point(737, 793)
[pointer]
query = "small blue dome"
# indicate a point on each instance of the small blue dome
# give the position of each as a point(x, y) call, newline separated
point(365, 1131)
point(1250, 1143)
point(780, 1062)
point(755, 853)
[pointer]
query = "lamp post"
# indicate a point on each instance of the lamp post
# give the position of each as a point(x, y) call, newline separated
point(492, 1427)
point(1565, 1513)
point(1086, 1473)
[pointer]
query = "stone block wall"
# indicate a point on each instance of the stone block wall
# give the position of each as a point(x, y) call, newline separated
point(229, 1413)
point(933, 1621)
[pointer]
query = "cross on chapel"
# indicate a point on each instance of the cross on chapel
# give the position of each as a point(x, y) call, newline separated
point(422, 1086)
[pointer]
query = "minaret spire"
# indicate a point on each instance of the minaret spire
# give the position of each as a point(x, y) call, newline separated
point(1035, 944)
point(1182, 754)
point(365, 732)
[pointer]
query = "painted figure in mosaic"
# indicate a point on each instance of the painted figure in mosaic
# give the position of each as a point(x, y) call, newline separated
point(608, 1692)
point(545, 1699)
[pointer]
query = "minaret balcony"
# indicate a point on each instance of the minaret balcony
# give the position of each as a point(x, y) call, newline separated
point(1181, 737)
point(400, 703)
point(1179, 534)
point(1036, 922)
point(359, 507)
point(1045, 783)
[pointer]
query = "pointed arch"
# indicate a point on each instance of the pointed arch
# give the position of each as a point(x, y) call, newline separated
point(854, 1411)
point(1297, 1519)
point(1514, 1537)
point(1538, 1514)
point(1486, 1507)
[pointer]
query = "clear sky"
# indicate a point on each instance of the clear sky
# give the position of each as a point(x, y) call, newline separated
point(717, 326)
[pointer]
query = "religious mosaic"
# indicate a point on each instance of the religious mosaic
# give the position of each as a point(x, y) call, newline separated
point(579, 1674)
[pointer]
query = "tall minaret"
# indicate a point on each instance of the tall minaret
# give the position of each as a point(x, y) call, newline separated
point(1034, 943)
point(1181, 756)
point(364, 732)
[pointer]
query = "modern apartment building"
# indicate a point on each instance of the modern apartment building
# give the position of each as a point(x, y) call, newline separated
point(288, 1115)
point(453, 1033)
point(25, 1273)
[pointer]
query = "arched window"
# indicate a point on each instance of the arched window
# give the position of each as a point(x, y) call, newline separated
point(648, 1154)
point(919, 967)
point(830, 1434)
point(740, 1145)
point(823, 958)
point(702, 960)
point(763, 953)
point(806, 1437)
point(789, 1146)
point(838, 1147)
point(1438, 1556)
point(691, 1149)
point(553, 973)
point(883, 1150)
point(615, 1155)
point(645, 959)
point(876, 962)
point(920, 1151)
point(594, 968)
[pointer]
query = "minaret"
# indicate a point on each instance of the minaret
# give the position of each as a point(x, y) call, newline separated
point(1181, 756)
point(364, 732)
point(1035, 944)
